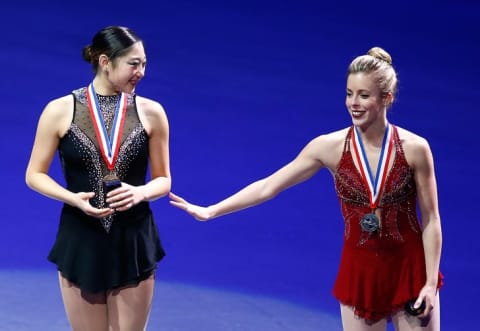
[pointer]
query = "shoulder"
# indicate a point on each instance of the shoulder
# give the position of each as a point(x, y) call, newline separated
point(57, 114)
point(149, 107)
point(328, 147)
point(415, 147)
point(151, 114)
point(411, 140)
point(61, 102)
point(333, 139)
point(59, 108)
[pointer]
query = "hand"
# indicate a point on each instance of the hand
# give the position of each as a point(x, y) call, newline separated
point(124, 197)
point(83, 204)
point(200, 213)
point(427, 293)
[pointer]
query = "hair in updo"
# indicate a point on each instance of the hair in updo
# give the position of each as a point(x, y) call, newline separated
point(112, 41)
point(378, 62)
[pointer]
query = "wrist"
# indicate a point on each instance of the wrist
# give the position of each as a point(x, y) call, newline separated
point(145, 194)
point(211, 212)
point(431, 283)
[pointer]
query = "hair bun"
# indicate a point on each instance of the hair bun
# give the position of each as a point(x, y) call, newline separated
point(381, 54)
point(88, 54)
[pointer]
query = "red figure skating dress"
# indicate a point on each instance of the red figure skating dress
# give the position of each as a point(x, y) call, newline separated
point(379, 271)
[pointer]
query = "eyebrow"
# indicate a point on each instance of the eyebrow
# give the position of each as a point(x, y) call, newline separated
point(361, 90)
point(138, 59)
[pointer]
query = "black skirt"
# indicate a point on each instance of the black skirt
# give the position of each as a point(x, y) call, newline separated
point(96, 260)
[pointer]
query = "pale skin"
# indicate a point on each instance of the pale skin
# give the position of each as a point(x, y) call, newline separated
point(126, 308)
point(368, 109)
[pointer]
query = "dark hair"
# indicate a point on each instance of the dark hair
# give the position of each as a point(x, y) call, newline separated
point(113, 41)
point(378, 62)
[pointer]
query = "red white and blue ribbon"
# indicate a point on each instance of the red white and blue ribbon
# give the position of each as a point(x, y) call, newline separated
point(375, 184)
point(109, 146)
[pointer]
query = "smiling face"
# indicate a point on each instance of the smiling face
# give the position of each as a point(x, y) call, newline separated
point(125, 71)
point(364, 100)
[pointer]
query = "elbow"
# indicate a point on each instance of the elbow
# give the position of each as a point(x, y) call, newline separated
point(267, 192)
point(433, 233)
point(33, 179)
point(28, 179)
point(168, 185)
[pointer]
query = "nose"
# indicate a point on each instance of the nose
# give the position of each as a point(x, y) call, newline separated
point(354, 100)
point(140, 72)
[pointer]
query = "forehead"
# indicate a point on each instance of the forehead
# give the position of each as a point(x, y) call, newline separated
point(136, 51)
point(362, 81)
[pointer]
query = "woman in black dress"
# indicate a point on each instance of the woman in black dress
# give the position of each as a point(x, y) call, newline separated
point(107, 246)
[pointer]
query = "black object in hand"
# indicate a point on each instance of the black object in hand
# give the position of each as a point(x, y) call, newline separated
point(110, 184)
point(409, 307)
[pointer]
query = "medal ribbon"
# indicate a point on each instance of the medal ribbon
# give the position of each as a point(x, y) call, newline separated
point(109, 146)
point(375, 186)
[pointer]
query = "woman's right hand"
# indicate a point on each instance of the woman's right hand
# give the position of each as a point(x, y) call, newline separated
point(83, 203)
point(200, 213)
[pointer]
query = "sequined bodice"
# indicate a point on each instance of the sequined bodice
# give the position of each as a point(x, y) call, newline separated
point(82, 163)
point(397, 203)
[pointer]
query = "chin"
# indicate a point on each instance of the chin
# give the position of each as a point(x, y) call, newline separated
point(357, 121)
point(128, 90)
point(361, 124)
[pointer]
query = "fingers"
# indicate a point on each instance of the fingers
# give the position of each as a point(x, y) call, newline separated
point(183, 204)
point(418, 303)
point(85, 196)
point(176, 198)
point(90, 195)
point(121, 203)
point(122, 198)
point(98, 213)
point(428, 307)
point(124, 207)
point(425, 302)
point(177, 201)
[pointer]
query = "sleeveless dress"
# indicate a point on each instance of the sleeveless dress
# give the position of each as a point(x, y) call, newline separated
point(379, 271)
point(124, 248)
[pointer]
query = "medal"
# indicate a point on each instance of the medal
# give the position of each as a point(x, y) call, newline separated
point(109, 183)
point(370, 222)
point(109, 145)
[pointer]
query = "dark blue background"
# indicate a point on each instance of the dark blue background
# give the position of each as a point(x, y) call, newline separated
point(246, 84)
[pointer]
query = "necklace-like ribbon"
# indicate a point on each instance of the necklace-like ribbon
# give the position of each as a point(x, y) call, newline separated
point(109, 146)
point(374, 185)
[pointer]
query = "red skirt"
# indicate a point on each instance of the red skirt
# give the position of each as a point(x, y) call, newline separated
point(379, 283)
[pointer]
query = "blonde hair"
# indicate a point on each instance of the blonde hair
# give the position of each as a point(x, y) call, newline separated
point(378, 62)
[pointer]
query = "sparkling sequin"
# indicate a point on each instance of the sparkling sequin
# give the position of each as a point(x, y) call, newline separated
point(82, 163)
point(397, 204)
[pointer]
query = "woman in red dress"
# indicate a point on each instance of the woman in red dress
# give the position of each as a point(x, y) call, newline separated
point(390, 258)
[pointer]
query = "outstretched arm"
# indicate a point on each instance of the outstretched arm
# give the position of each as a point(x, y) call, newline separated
point(305, 165)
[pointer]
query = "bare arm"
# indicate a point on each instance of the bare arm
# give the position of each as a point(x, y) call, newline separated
point(53, 123)
point(158, 129)
point(305, 165)
point(422, 161)
point(155, 122)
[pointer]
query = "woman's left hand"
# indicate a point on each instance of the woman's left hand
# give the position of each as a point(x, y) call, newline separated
point(427, 293)
point(124, 197)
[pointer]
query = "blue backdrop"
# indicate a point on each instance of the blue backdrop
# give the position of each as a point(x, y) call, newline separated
point(246, 84)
